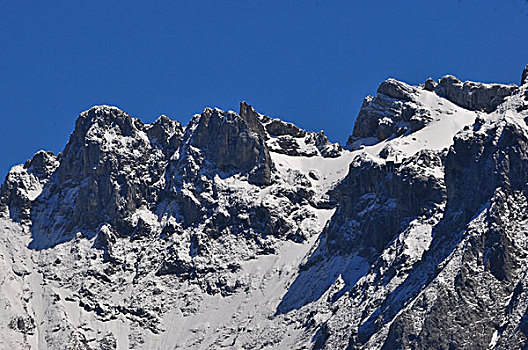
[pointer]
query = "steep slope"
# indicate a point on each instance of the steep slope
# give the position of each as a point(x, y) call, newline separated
point(447, 277)
point(245, 231)
point(140, 223)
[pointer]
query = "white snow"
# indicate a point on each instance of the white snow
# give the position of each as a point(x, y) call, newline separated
point(448, 120)
point(201, 320)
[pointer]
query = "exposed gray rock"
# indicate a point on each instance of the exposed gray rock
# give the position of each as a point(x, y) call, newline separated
point(377, 199)
point(396, 89)
point(126, 184)
point(287, 138)
point(474, 96)
point(524, 75)
point(217, 235)
point(471, 277)
point(25, 325)
point(492, 257)
point(325, 147)
point(230, 143)
point(430, 84)
point(279, 128)
point(99, 180)
point(108, 342)
point(389, 152)
point(252, 119)
point(393, 112)
point(166, 133)
point(24, 184)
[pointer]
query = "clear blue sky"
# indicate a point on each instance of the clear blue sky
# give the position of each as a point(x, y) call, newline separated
point(309, 62)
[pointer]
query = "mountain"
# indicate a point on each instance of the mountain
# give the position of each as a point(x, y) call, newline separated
point(243, 231)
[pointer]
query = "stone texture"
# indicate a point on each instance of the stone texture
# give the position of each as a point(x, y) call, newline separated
point(99, 180)
point(393, 112)
point(148, 227)
point(377, 199)
point(230, 143)
point(23, 185)
point(396, 89)
point(278, 128)
point(494, 176)
point(430, 84)
point(524, 75)
point(474, 96)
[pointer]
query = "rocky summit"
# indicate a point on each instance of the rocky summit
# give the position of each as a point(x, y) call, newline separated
point(244, 231)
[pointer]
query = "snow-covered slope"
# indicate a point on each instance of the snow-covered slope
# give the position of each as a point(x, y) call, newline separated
point(244, 231)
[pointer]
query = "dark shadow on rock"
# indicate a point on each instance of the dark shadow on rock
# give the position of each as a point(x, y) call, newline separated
point(318, 274)
point(446, 236)
point(523, 327)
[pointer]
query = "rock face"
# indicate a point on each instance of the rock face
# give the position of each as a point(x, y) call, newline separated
point(393, 112)
point(24, 184)
point(377, 198)
point(109, 168)
point(426, 296)
point(491, 259)
point(396, 110)
point(474, 96)
point(288, 139)
point(231, 142)
point(524, 75)
point(243, 231)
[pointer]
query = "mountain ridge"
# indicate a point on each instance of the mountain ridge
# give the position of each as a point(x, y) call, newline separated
point(241, 230)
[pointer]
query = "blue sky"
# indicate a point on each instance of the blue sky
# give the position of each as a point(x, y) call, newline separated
point(309, 62)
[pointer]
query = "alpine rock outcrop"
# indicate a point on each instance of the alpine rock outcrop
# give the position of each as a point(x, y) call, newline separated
point(240, 230)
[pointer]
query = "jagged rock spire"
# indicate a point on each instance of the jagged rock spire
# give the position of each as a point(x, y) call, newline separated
point(524, 77)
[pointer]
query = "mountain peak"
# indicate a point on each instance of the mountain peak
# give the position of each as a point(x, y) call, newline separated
point(103, 116)
point(246, 231)
point(396, 89)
